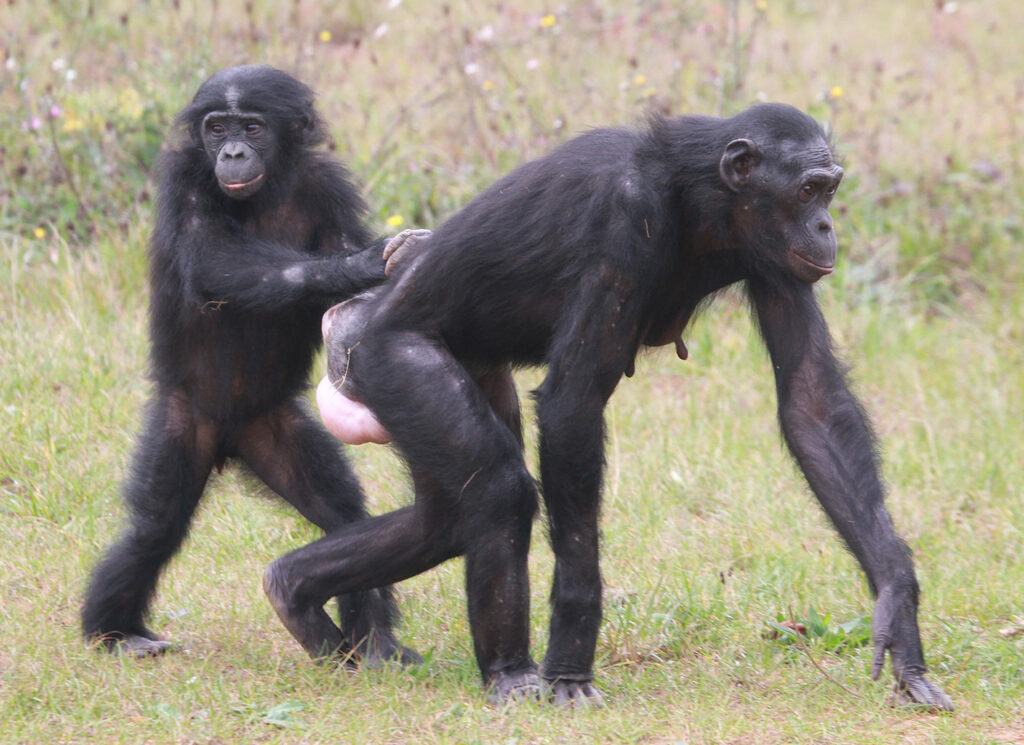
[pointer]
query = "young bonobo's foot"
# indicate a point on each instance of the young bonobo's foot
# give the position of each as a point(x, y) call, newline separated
point(134, 645)
point(573, 694)
point(514, 688)
point(386, 649)
point(894, 628)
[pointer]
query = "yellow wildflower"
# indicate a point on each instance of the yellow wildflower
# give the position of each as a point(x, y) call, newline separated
point(72, 124)
point(488, 85)
point(39, 233)
point(548, 21)
point(761, 5)
point(640, 80)
point(129, 103)
point(836, 91)
point(395, 221)
point(325, 36)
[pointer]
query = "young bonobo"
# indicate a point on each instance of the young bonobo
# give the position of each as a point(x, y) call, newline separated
point(576, 261)
point(258, 232)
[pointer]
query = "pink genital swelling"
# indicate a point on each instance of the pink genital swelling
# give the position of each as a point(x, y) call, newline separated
point(348, 420)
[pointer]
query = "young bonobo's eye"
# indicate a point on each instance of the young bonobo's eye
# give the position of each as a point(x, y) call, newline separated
point(216, 129)
point(809, 191)
point(254, 128)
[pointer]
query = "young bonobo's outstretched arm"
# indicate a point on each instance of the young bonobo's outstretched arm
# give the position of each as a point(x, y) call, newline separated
point(831, 439)
point(273, 276)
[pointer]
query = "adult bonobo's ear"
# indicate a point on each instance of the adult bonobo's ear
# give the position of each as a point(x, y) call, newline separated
point(737, 162)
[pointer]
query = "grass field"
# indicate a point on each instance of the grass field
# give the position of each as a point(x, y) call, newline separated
point(711, 537)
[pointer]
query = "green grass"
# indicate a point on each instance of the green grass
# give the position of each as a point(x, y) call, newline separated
point(710, 534)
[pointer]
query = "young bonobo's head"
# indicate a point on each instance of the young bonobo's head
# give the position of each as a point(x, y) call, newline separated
point(781, 169)
point(251, 121)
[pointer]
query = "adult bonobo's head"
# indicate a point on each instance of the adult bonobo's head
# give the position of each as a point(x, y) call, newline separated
point(248, 120)
point(782, 171)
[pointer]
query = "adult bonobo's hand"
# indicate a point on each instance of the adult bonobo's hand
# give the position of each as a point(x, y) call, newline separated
point(397, 249)
point(894, 628)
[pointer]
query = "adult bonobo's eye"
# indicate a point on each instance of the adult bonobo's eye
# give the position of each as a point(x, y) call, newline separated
point(216, 129)
point(808, 191)
point(253, 128)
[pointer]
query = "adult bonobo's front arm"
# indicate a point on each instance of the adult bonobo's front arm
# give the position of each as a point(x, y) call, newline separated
point(831, 439)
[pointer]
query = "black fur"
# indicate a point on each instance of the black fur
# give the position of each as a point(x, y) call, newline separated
point(576, 261)
point(238, 286)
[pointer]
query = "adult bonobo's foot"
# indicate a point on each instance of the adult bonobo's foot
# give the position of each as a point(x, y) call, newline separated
point(320, 636)
point(514, 687)
point(134, 645)
point(573, 694)
point(894, 628)
point(917, 690)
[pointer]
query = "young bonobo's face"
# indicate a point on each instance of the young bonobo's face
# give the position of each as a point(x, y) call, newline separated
point(783, 192)
point(239, 145)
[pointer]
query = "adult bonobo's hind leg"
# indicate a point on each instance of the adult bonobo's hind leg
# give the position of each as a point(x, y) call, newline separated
point(172, 462)
point(302, 463)
point(473, 496)
point(472, 483)
point(357, 557)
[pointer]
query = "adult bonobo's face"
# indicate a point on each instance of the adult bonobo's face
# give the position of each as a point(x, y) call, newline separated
point(783, 191)
point(239, 145)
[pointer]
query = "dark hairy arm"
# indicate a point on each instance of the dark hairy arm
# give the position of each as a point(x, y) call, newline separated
point(259, 275)
point(831, 439)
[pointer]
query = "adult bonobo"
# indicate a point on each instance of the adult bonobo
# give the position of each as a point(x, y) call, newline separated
point(576, 261)
point(257, 233)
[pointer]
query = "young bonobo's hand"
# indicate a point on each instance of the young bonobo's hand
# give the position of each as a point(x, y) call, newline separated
point(397, 249)
point(894, 628)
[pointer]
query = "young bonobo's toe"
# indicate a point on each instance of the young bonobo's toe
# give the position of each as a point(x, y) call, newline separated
point(573, 694)
point(133, 645)
point(915, 690)
point(514, 688)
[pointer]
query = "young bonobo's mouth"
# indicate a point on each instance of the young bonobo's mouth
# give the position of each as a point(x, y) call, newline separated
point(806, 269)
point(240, 185)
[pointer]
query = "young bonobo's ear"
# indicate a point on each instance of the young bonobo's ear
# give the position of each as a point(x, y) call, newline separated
point(738, 160)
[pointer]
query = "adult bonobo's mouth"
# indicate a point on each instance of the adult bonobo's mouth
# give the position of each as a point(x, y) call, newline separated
point(807, 270)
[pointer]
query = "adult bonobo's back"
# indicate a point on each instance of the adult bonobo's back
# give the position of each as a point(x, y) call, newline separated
point(257, 232)
point(577, 261)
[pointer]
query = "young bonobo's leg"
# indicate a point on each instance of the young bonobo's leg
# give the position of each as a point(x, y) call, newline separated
point(302, 463)
point(499, 387)
point(172, 461)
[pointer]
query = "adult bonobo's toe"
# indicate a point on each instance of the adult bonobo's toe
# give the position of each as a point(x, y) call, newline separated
point(514, 688)
point(574, 694)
